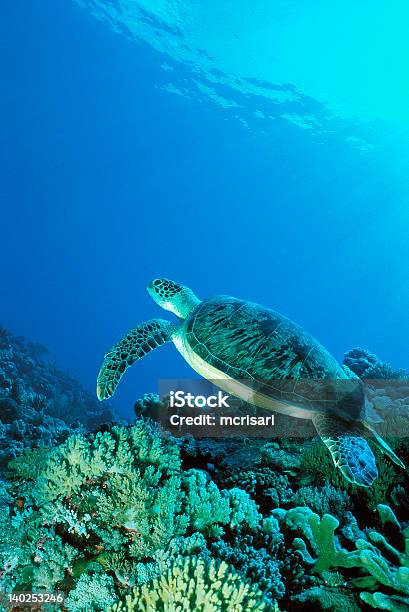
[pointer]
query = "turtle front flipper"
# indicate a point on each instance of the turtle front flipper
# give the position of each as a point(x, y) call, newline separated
point(350, 451)
point(136, 344)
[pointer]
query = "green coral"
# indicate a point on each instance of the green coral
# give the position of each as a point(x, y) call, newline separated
point(29, 464)
point(109, 492)
point(381, 601)
point(32, 555)
point(317, 461)
point(324, 551)
point(16, 527)
point(254, 559)
point(384, 564)
point(388, 478)
point(93, 592)
point(194, 545)
point(115, 489)
point(387, 565)
point(122, 450)
point(320, 598)
point(192, 583)
point(118, 499)
point(323, 500)
point(207, 508)
point(244, 511)
point(113, 515)
point(52, 559)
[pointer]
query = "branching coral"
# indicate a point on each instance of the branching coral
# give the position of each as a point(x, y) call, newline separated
point(117, 498)
point(255, 559)
point(384, 564)
point(93, 592)
point(317, 462)
point(264, 483)
point(113, 491)
point(323, 500)
point(31, 553)
point(244, 511)
point(207, 509)
point(323, 552)
point(192, 583)
point(29, 464)
point(116, 489)
point(388, 567)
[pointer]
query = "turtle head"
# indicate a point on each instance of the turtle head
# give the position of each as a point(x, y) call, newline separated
point(172, 296)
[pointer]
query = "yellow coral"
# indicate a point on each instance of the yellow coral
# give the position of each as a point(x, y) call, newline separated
point(193, 583)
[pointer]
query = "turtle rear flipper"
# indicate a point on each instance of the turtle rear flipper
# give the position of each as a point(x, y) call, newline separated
point(350, 451)
point(136, 344)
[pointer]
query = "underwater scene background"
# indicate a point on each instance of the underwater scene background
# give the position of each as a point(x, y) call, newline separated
point(254, 149)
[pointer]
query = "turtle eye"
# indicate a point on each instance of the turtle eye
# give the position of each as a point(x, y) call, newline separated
point(172, 288)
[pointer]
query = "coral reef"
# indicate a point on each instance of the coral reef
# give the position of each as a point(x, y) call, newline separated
point(125, 517)
point(368, 366)
point(325, 598)
point(255, 556)
point(92, 592)
point(39, 404)
point(115, 500)
point(194, 584)
point(381, 563)
point(113, 511)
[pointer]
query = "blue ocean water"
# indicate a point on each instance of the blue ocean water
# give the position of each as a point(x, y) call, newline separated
point(255, 149)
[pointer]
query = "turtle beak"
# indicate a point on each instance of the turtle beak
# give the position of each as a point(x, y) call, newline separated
point(149, 287)
point(152, 290)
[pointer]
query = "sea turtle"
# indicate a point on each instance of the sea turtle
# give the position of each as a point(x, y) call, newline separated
point(264, 358)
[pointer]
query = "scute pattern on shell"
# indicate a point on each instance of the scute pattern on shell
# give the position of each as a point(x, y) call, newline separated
point(251, 343)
